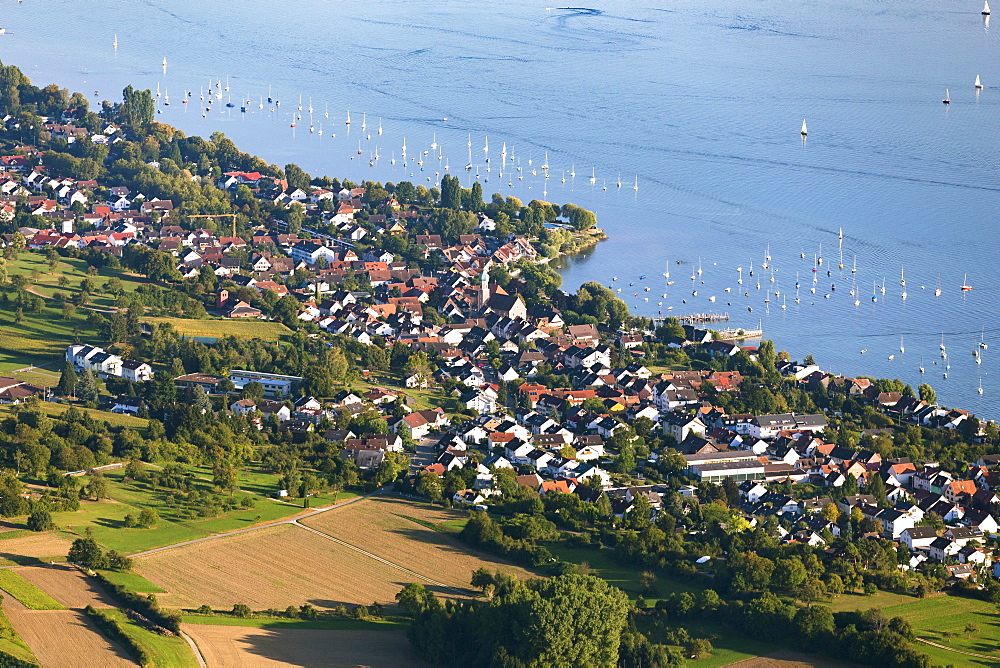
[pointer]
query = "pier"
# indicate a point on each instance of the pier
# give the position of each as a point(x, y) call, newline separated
point(701, 318)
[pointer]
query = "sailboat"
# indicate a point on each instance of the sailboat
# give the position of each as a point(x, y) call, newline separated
point(468, 165)
point(965, 287)
point(545, 165)
point(840, 240)
point(635, 188)
point(380, 125)
point(619, 180)
point(980, 385)
point(116, 41)
point(572, 171)
point(901, 348)
point(937, 290)
point(874, 291)
point(947, 97)
point(982, 340)
point(348, 121)
point(979, 84)
point(364, 120)
point(986, 8)
point(804, 131)
point(593, 177)
point(164, 62)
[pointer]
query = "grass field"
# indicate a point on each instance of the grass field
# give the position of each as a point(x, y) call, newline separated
point(31, 596)
point(626, 578)
point(942, 619)
point(11, 643)
point(166, 651)
point(218, 327)
point(44, 282)
point(253, 648)
point(132, 582)
point(114, 419)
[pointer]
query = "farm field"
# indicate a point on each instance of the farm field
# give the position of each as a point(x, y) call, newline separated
point(68, 586)
point(384, 527)
point(26, 592)
point(218, 327)
point(242, 646)
point(279, 566)
point(64, 638)
point(33, 548)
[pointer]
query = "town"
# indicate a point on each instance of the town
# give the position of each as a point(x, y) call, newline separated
point(417, 341)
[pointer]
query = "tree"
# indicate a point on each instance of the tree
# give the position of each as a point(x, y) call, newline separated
point(67, 380)
point(451, 192)
point(137, 109)
point(40, 520)
point(98, 486)
point(148, 518)
point(297, 177)
point(86, 387)
point(86, 552)
point(927, 393)
point(429, 486)
point(242, 610)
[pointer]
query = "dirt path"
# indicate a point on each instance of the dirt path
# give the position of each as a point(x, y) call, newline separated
point(288, 520)
point(958, 651)
point(194, 648)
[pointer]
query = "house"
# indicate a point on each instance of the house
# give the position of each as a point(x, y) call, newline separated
point(679, 425)
point(137, 372)
point(14, 391)
point(420, 423)
point(469, 497)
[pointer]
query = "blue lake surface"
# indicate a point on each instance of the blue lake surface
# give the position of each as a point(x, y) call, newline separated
point(700, 103)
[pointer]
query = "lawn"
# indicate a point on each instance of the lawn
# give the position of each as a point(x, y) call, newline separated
point(626, 578)
point(43, 282)
point(218, 327)
point(31, 596)
point(729, 645)
point(272, 623)
point(41, 338)
point(11, 643)
point(881, 600)
point(53, 409)
point(942, 619)
point(166, 651)
point(132, 582)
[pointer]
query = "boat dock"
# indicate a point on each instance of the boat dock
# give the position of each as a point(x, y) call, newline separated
point(737, 334)
point(701, 318)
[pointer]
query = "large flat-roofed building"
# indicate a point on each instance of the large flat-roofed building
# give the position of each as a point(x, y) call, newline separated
point(275, 385)
point(738, 465)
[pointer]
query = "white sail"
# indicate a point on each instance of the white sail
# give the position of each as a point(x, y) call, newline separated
point(986, 8)
point(804, 131)
point(979, 84)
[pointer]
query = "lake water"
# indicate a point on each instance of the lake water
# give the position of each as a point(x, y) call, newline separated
point(701, 103)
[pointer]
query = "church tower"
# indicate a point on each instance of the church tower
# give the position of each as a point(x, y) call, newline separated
point(484, 288)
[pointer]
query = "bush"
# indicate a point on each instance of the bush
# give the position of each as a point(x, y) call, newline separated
point(144, 605)
point(204, 610)
point(242, 610)
point(41, 520)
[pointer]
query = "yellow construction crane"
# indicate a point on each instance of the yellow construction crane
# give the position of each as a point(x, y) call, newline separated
point(216, 215)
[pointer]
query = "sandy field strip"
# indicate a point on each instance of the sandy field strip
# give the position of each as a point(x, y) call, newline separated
point(64, 638)
point(376, 525)
point(67, 585)
point(275, 567)
point(266, 648)
point(786, 658)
